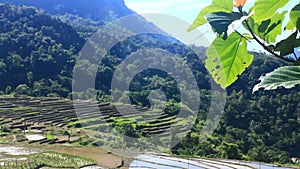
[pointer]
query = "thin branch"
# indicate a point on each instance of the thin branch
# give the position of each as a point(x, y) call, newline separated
point(242, 35)
point(295, 55)
point(264, 46)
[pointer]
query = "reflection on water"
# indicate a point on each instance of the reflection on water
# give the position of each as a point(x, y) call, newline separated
point(12, 153)
point(159, 161)
point(13, 150)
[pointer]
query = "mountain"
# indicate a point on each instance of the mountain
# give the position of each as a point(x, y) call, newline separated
point(92, 9)
point(88, 15)
point(35, 50)
point(38, 50)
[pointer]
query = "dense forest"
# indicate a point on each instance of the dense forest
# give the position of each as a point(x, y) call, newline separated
point(38, 52)
point(105, 10)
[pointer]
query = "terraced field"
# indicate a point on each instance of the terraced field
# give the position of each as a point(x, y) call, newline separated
point(33, 158)
point(34, 115)
point(57, 120)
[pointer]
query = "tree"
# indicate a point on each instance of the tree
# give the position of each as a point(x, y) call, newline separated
point(23, 89)
point(8, 90)
point(229, 151)
point(263, 23)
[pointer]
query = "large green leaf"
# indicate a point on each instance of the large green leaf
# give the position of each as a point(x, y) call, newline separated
point(289, 26)
point(275, 27)
point(288, 45)
point(295, 16)
point(228, 59)
point(216, 6)
point(287, 76)
point(264, 9)
point(220, 21)
point(269, 29)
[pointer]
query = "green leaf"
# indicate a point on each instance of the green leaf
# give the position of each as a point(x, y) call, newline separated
point(287, 46)
point(290, 26)
point(220, 21)
point(253, 26)
point(216, 6)
point(275, 27)
point(228, 59)
point(287, 76)
point(297, 63)
point(247, 36)
point(264, 9)
point(271, 47)
point(264, 25)
point(295, 16)
point(268, 30)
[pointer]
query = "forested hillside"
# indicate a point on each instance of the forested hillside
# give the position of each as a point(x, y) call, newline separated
point(105, 10)
point(260, 126)
point(38, 53)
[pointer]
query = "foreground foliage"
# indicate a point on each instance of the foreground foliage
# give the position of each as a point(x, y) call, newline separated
point(287, 77)
point(262, 23)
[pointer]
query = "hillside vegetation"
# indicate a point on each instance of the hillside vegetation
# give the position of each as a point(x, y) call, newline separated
point(38, 53)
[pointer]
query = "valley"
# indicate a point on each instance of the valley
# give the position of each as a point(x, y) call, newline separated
point(54, 123)
point(48, 122)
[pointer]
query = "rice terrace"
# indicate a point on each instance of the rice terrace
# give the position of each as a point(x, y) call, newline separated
point(53, 121)
point(39, 132)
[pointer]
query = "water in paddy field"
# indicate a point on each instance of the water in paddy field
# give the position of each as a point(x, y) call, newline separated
point(156, 161)
point(12, 153)
point(8, 150)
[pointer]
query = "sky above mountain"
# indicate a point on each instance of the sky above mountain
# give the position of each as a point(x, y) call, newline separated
point(188, 11)
point(184, 9)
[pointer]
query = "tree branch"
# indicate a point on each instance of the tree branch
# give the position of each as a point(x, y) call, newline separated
point(295, 56)
point(242, 35)
point(264, 46)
